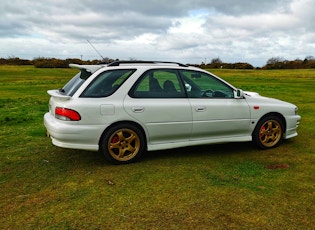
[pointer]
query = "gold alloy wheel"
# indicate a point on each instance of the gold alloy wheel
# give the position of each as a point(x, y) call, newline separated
point(124, 144)
point(270, 133)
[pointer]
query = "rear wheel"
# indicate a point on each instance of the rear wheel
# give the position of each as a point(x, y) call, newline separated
point(123, 143)
point(268, 132)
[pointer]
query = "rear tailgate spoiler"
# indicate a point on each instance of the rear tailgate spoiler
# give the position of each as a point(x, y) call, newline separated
point(55, 93)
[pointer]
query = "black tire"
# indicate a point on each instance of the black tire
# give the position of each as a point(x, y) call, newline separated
point(123, 143)
point(268, 132)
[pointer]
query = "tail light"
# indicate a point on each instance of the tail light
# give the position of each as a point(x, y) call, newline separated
point(67, 114)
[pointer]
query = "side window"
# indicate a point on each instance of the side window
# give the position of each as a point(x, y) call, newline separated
point(107, 83)
point(202, 85)
point(158, 83)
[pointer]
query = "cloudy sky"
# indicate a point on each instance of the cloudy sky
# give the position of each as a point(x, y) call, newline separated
point(188, 31)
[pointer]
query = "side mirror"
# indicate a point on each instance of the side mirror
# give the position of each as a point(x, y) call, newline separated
point(239, 94)
point(188, 87)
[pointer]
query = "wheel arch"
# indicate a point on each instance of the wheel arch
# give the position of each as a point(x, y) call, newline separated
point(275, 114)
point(124, 122)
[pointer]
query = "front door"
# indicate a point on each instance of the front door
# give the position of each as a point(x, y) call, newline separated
point(216, 112)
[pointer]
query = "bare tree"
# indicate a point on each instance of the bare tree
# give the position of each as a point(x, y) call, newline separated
point(309, 58)
point(216, 61)
point(274, 60)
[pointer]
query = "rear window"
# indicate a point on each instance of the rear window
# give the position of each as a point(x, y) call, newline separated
point(74, 84)
point(107, 83)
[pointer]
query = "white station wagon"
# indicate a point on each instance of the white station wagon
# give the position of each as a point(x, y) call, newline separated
point(126, 108)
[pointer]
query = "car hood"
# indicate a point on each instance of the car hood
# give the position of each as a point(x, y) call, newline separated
point(252, 94)
point(255, 98)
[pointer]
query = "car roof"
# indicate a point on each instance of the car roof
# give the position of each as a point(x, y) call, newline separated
point(118, 63)
point(93, 68)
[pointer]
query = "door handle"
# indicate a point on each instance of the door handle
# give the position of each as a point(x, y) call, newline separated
point(137, 109)
point(200, 109)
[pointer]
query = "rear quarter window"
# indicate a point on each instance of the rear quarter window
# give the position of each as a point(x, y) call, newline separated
point(107, 83)
point(74, 84)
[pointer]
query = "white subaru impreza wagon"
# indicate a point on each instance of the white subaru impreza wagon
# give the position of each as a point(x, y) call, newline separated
point(126, 108)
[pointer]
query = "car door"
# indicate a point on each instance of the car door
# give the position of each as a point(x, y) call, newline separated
point(216, 112)
point(158, 102)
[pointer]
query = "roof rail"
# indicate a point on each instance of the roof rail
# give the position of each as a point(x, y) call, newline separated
point(117, 63)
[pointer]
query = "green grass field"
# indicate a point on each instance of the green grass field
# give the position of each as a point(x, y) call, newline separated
point(226, 186)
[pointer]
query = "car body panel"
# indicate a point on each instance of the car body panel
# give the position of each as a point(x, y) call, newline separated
point(261, 106)
point(219, 118)
point(166, 120)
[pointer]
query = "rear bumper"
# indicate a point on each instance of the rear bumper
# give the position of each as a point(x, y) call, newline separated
point(68, 134)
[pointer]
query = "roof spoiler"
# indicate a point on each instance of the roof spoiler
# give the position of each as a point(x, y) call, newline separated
point(88, 68)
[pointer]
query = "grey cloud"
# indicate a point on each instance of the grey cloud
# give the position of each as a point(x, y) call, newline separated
point(231, 28)
point(127, 18)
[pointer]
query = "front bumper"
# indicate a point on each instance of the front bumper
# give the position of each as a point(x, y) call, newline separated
point(292, 125)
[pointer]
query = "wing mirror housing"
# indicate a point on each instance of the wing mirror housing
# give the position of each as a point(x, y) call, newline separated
point(239, 94)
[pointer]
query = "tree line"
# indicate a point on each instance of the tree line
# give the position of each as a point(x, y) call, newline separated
point(216, 63)
point(272, 63)
point(46, 62)
point(281, 63)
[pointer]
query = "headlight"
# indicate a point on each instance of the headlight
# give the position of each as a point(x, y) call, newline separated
point(296, 110)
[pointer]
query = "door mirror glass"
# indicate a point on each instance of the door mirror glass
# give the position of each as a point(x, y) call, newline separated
point(239, 93)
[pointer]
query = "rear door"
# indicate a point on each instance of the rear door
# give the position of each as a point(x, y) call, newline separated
point(158, 102)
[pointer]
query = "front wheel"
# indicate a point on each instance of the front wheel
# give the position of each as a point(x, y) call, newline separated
point(122, 144)
point(268, 132)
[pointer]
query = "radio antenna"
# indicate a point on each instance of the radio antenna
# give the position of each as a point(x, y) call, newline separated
point(95, 49)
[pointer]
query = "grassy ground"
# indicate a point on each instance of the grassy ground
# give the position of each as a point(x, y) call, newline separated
point(228, 186)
